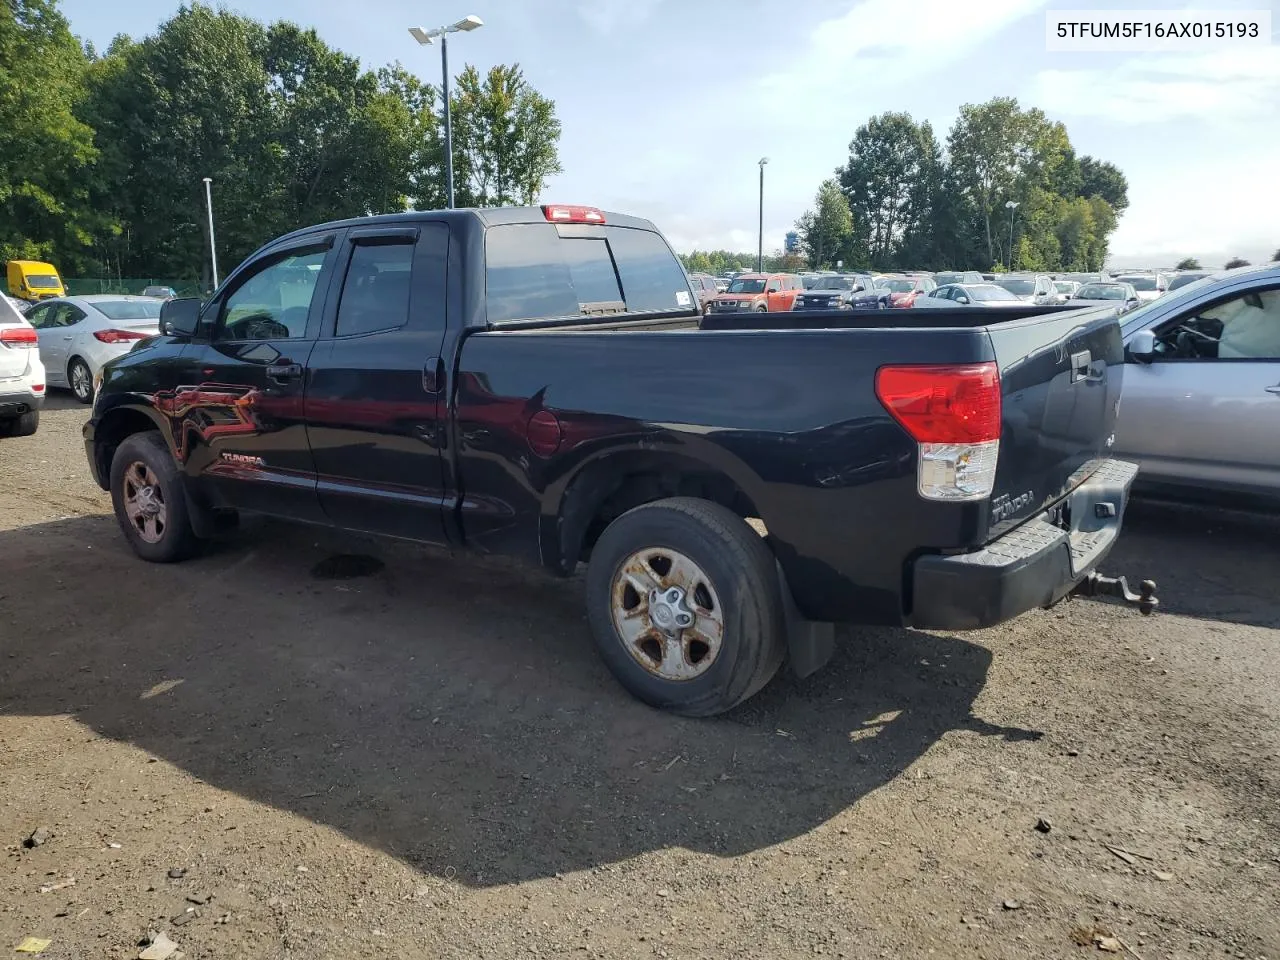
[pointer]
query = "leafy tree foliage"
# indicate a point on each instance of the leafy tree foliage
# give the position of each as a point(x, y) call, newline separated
point(45, 150)
point(102, 158)
point(915, 206)
point(1188, 263)
point(824, 231)
point(1235, 262)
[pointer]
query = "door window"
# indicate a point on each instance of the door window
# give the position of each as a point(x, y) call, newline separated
point(375, 293)
point(66, 315)
point(42, 316)
point(1243, 327)
point(274, 302)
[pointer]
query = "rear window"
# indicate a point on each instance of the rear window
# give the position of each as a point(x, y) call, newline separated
point(533, 273)
point(129, 309)
point(651, 275)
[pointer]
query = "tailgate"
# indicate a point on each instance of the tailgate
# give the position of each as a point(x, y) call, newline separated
point(1060, 376)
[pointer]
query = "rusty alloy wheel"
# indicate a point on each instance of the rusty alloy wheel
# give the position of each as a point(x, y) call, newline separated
point(667, 614)
point(144, 502)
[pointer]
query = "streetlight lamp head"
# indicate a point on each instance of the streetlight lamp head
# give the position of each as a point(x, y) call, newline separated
point(763, 161)
point(469, 23)
point(424, 37)
point(1011, 205)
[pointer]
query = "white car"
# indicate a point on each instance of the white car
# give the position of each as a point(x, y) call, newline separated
point(969, 295)
point(78, 335)
point(1149, 286)
point(22, 384)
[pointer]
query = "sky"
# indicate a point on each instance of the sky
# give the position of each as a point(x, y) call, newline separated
point(668, 105)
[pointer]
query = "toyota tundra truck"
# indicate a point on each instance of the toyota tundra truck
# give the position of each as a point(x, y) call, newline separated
point(539, 382)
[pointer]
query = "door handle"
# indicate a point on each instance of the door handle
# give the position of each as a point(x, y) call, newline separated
point(68, 338)
point(433, 375)
point(284, 372)
point(1275, 389)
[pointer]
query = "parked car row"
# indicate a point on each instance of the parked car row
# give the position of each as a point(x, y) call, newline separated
point(64, 342)
point(832, 290)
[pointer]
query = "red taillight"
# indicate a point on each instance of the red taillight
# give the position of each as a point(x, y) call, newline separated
point(119, 336)
point(943, 404)
point(37, 388)
point(18, 336)
point(562, 213)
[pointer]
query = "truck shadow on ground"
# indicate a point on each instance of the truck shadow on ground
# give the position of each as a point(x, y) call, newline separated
point(453, 715)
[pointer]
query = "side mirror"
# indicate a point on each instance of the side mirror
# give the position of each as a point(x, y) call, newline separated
point(963, 299)
point(180, 317)
point(1142, 347)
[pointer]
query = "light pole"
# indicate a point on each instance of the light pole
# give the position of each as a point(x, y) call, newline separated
point(760, 234)
point(213, 247)
point(426, 38)
point(1011, 206)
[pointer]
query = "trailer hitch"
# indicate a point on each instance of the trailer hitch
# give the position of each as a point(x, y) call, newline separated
point(1096, 585)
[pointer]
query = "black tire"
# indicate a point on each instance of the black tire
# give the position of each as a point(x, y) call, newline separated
point(742, 572)
point(78, 376)
point(24, 425)
point(176, 540)
point(762, 308)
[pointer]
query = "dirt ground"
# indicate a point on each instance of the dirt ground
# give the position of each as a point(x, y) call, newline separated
point(430, 761)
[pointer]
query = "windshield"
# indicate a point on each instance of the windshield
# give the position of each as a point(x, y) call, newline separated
point(44, 281)
point(1021, 288)
point(899, 286)
point(129, 309)
point(1064, 286)
point(747, 286)
point(833, 283)
point(1101, 291)
point(988, 292)
point(1133, 320)
point(1146, 284)
point(1183, 279)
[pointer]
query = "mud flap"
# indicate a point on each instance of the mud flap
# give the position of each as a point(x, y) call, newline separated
point(810, 643)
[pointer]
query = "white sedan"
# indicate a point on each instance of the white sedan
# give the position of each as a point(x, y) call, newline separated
point(78, 335)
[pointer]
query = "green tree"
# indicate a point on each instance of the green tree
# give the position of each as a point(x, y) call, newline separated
point(990, 145)
point(45, 150)
point(1275, 257)
point(506, 138)
point(1235, 262)
point(825, 231)
point(888, 179)
point(1188, 263)
point(1102, 179)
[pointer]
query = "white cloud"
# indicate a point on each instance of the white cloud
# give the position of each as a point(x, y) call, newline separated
point(609, 16)
point(886, 41)
point(1219, 87)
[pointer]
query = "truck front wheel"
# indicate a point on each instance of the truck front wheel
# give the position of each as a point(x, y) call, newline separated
point(150, 504)
point(685, 605)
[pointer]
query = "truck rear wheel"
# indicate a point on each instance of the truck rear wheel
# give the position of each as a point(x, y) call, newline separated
point(150, 504)
point(685, 605)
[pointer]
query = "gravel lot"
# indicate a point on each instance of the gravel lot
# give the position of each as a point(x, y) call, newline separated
point(430, 761)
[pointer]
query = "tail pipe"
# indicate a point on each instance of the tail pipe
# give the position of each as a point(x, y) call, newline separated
point(1096, 585)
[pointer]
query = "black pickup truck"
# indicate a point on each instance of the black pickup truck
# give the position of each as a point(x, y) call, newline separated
point(540, 382)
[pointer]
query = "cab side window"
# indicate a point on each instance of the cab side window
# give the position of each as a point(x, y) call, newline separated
point(274, 302)
point(1244, 327)
point(375, 293)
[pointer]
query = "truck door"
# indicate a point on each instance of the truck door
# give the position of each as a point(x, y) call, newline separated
point(238, 421)
point(375, 404)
